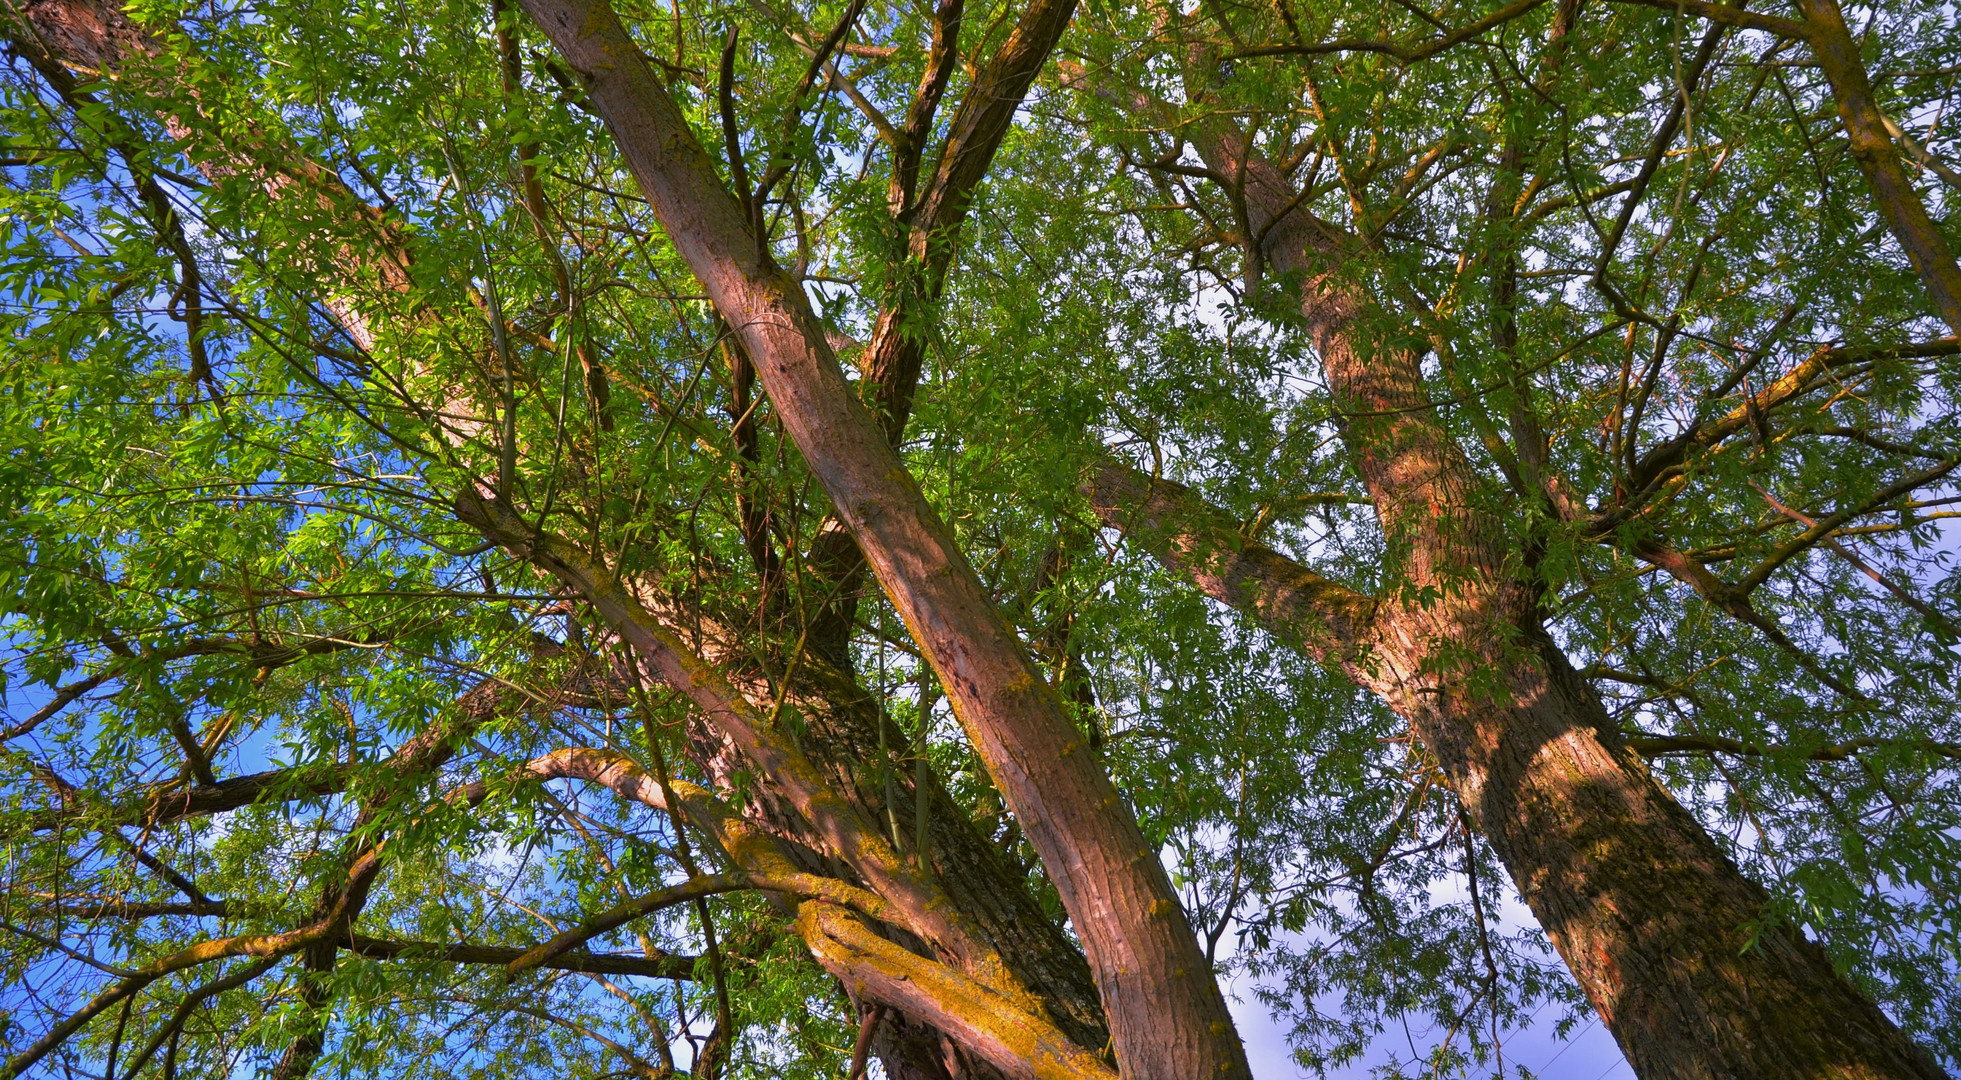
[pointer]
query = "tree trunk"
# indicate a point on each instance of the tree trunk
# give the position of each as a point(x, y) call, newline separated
point(1656, 924)
point(1659, 927)
point(841, 722)
point(1166, 1014)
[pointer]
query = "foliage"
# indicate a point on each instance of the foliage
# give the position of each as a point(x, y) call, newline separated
point(230, 466)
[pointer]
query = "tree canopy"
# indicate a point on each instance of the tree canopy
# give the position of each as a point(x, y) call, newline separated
point(736, 538)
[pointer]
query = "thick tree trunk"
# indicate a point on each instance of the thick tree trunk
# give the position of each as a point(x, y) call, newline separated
point(840, 734)
point(1658, 926)
point(840, 725)
point(1166, 1014)
point(1652, 919)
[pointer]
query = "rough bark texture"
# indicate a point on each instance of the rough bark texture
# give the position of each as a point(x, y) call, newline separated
point(1166, 1014)
point(1658, 926)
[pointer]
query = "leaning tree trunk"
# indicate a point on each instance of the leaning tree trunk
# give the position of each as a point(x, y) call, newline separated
point(1658, 926)
point(1166, 1014)
point(1663, 932)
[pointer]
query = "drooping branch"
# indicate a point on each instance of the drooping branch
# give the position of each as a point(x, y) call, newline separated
point(170, 801)
point(1402, 53)
point(263, 654)
point(1735, 602)
point(94, 909)
point(1934, 616)
point(1823, 528)
point(792, 884)
point(1729, 15)
point(165, 804)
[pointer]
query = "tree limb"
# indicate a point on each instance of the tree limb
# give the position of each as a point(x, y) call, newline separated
point(1008, 1034)
point(1327, 620)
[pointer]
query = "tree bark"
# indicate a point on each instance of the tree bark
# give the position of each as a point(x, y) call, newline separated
point(1662, 931)
point(1167, 1016)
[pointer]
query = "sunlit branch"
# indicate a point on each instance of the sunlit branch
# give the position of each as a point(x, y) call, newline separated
point(802, 885)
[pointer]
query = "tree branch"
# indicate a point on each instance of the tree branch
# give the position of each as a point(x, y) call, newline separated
point(1727, 15)
point(1878, 157)
point(1406, 54)
point(1011, 1035)
point(663, 966)
point(1325, 619)
point(794, 884)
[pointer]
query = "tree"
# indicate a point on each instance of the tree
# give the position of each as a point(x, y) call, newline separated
point(1329, 448)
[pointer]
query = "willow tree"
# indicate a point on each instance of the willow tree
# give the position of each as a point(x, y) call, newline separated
point(742, 540)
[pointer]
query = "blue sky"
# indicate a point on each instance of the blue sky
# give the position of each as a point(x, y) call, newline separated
point(1590, 1054)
